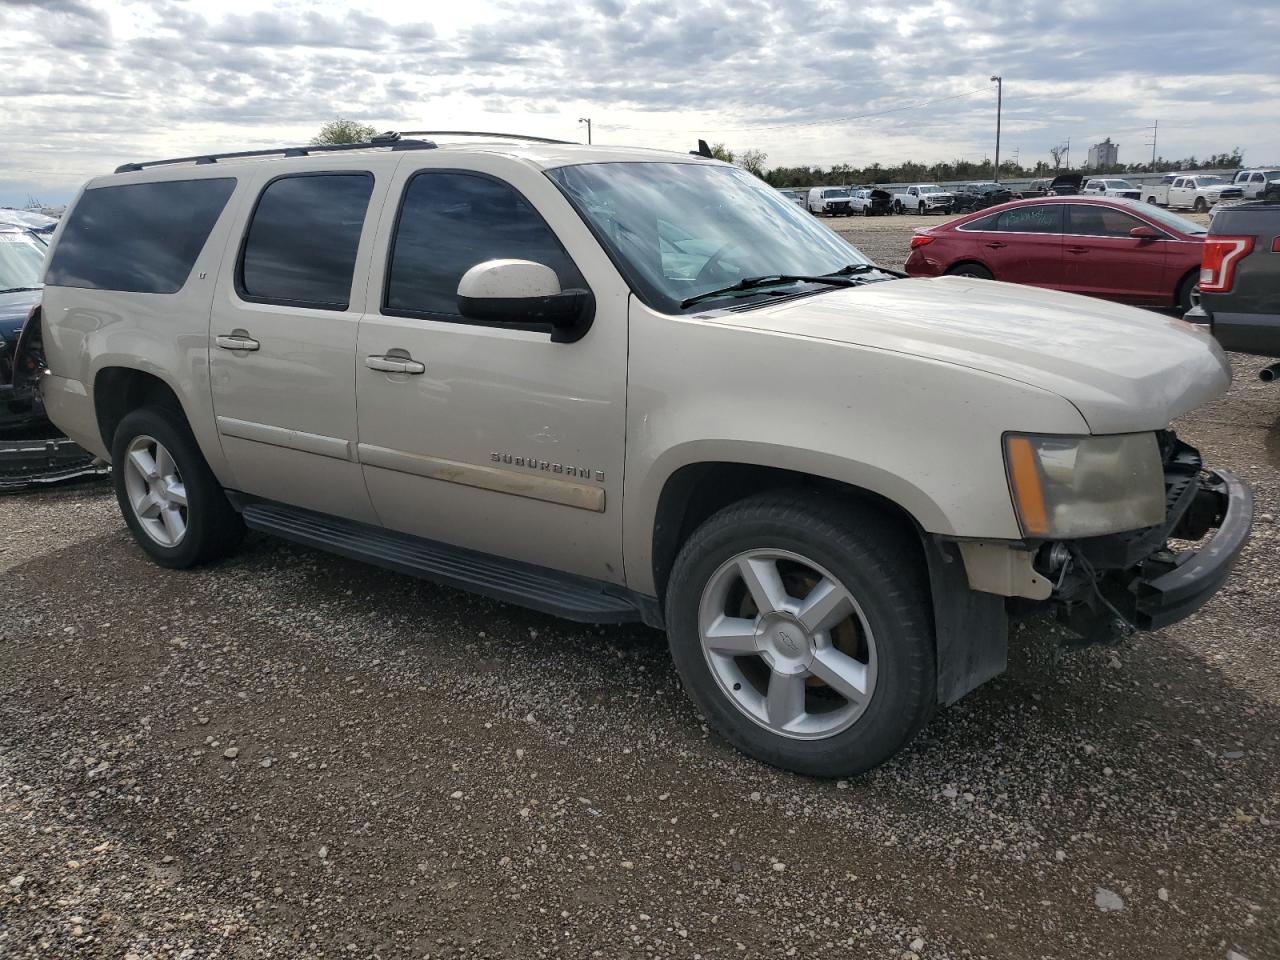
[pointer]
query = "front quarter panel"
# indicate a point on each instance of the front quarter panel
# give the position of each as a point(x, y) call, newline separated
point(923, 433)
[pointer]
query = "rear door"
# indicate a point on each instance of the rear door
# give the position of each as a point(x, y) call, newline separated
point(1101, 259)
point(283, 338)
point(1024, 244)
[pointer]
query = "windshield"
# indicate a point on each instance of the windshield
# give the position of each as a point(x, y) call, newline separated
point(1210, 181)
point(930, 188)
point(1273, 176)
point(677, 230)
point(840, 194)
point(1119, 185)
point(1161, 215)
point(21, 259)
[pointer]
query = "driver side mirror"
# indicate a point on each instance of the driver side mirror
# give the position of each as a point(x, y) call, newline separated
point(1144, 233)
point(521, 293)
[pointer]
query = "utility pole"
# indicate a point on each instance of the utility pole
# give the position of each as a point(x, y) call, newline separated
point(587, 121)
point(999, 82)
point(1155, 128)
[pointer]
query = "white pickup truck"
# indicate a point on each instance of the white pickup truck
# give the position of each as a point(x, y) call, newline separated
point(1197, 193)
point(1256, 183)
point(923, 198)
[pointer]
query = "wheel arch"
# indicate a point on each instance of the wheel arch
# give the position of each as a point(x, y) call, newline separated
point(118, 390)
point(970, 628)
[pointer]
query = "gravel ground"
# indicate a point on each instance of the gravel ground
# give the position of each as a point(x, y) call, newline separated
point(294, 755)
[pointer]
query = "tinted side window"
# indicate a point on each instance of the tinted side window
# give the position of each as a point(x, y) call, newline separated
point(138, 237)
point(982, 223)
point(448, 223)
point(1043, 218)
point(1099, 221)
point(300, 249)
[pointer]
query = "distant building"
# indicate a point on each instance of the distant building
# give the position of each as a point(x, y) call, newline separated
point(1104, 154)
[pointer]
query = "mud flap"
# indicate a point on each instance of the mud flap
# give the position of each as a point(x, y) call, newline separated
point(971, 629)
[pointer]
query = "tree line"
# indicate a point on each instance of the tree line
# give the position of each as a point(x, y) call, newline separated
point(842, 174)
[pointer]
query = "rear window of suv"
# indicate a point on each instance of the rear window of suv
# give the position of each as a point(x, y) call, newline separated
point(137, 237)
point(300, 249)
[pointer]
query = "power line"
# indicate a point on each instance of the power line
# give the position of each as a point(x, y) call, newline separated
point(815, 123)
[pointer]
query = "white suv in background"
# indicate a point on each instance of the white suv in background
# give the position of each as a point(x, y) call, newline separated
point(627, 385)
point(1110, 187)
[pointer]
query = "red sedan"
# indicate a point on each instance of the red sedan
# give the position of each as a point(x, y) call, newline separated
point(1116, 249)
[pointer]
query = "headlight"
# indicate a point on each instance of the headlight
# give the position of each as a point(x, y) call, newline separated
point(1068, 487)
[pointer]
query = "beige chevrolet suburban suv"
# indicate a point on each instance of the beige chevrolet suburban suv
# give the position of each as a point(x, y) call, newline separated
point(626, 385)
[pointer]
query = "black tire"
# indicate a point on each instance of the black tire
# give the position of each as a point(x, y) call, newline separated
point(1152, 201)
point(213, 527)
point(970, 270)
point(871, 556)
point(1182, 296)
point(897, 206)
point(1201, 205)
point(922, 210)
point(866, 211)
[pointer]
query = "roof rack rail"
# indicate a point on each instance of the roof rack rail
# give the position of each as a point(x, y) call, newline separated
point(390, 139)
point(481, 133)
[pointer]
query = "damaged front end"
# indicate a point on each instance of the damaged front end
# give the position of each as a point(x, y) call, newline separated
point(1152, 577)
point(32, 450)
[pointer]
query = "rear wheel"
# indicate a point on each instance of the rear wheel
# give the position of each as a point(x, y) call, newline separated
point(800, 627)
point(970, 270)
point(172, 502)
point(1151, 200)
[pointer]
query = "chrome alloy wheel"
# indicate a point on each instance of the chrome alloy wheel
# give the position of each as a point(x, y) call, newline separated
point(156, 491)
point(788, 644)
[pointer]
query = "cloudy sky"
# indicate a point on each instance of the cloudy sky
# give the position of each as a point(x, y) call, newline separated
point(89, 84)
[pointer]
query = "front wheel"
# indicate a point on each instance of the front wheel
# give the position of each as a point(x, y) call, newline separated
point(1182, 297)
point(1201, 205)
point(800, 627)
point(172, 502)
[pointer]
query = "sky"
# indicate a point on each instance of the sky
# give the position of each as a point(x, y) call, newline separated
point(91, 84)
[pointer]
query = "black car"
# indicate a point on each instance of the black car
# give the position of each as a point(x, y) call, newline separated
point(1240, 280)
point(32, 450)
point(968, 197)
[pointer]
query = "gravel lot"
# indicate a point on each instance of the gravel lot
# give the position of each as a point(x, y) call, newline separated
point(293, 755)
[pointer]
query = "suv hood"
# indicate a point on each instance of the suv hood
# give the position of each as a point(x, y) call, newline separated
point(1123, 368)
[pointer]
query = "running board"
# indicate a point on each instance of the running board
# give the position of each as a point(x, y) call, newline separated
point(547, 591)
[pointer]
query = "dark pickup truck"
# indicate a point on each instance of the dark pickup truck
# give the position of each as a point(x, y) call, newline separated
point(1239, 294)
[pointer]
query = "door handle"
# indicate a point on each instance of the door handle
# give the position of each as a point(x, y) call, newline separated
point(1077, 249)
point(996, 245)
point(389, 364)
point(237, 341)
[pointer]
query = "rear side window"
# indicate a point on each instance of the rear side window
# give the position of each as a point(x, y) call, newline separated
point(137, 237)
point(448, 223)
point(300, 249)
point(1042, 218)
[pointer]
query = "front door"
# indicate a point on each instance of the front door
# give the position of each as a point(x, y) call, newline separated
point(283, 339)
point(493, 437)
point(1101, 259)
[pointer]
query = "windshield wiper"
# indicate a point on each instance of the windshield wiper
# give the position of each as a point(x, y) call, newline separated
point(748, 283)
point(855, 268)
point(18, 289)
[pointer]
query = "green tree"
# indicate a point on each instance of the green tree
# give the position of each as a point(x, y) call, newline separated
point(339, 130)
point(721, 152)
